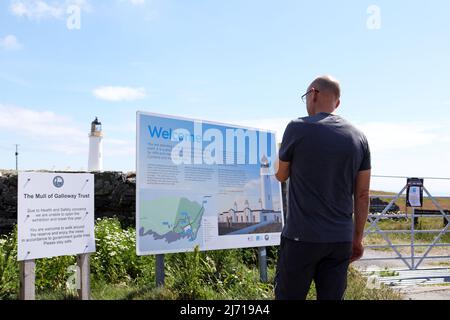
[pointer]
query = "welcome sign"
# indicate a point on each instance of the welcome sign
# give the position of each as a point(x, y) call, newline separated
point(204, 183)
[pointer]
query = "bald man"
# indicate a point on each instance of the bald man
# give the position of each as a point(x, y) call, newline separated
point(327, 162)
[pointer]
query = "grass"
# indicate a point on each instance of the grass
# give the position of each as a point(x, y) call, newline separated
point(356, 290)
point(388, 273)
point(441, 264)
point(446, 284)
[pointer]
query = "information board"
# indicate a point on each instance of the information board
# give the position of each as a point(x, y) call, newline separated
point(55, 214)
point(204, 183)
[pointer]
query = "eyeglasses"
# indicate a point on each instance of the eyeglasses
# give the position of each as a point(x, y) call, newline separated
point(306, 94)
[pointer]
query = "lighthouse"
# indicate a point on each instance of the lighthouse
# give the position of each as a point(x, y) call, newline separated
point(95, 162)
point(266, 189)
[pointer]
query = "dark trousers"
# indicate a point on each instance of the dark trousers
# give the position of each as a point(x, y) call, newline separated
point(301, 262)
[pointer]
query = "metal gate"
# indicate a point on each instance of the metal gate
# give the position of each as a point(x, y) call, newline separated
point(411, 260)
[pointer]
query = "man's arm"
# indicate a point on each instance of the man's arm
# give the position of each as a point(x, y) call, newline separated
point(361, 208)
point(283, 170)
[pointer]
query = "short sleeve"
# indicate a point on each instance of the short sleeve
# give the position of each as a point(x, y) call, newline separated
point(366, 161)
point(288, 144)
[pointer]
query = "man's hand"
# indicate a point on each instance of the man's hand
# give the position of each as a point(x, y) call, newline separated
point(357, 251)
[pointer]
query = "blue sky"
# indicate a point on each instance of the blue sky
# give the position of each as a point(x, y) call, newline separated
point(239, 61)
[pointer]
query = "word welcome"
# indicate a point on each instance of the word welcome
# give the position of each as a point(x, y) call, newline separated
point(214, 146)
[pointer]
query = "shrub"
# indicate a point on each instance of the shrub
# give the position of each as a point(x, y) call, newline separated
point(9, 268)
point(115, 259)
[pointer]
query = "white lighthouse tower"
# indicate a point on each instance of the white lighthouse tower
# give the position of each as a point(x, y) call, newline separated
point(266, 189)
point(95, 162)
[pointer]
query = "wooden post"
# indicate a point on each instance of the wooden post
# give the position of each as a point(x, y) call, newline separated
point(84, 290)
point(27, 280)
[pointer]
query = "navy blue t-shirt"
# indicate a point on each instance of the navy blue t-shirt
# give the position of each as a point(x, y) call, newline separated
point(325, 152)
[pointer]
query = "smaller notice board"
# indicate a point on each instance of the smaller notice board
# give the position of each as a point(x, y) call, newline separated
point(414, 193)
point(55, 214)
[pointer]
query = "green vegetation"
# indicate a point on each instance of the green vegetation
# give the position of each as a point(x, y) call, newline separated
point(388, 273)
point(117, 273)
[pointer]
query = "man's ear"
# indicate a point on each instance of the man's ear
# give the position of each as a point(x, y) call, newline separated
point(338, 103)
point(314, 96)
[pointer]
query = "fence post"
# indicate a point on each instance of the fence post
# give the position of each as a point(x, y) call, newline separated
point(160, 275)
point(85, 284)
point(27, 280)
point(262, 257)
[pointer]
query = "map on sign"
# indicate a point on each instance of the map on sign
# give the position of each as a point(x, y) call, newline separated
point(171, 219)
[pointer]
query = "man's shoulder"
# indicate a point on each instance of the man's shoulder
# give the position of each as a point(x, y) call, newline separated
point(352, 127)
point(292, 124)
point(298, 121)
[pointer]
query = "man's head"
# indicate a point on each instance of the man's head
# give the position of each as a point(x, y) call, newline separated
point(323, 95)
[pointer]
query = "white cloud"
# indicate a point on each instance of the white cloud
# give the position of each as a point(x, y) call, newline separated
point(382, 136)
point(59, 132)
point(47, 138)
point(414, 148)
point(36, 9)
point(10, 43)
point(386, 136)
point(40, 9)
point(134, 2)
point(119, 93)
point(35, 123)
point(119, 147)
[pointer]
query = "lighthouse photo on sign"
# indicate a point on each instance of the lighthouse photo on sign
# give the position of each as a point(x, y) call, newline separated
point(254, 210)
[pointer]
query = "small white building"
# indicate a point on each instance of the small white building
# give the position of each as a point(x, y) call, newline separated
point(249, 216)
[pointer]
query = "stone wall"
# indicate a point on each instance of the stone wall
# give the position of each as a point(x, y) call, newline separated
point(8, 200)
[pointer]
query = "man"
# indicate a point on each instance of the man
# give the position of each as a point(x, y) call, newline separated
point(327, 162)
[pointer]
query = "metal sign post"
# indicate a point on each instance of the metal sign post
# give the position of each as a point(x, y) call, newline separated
point(160, 275)
point(85, 283)
point(262, 257)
